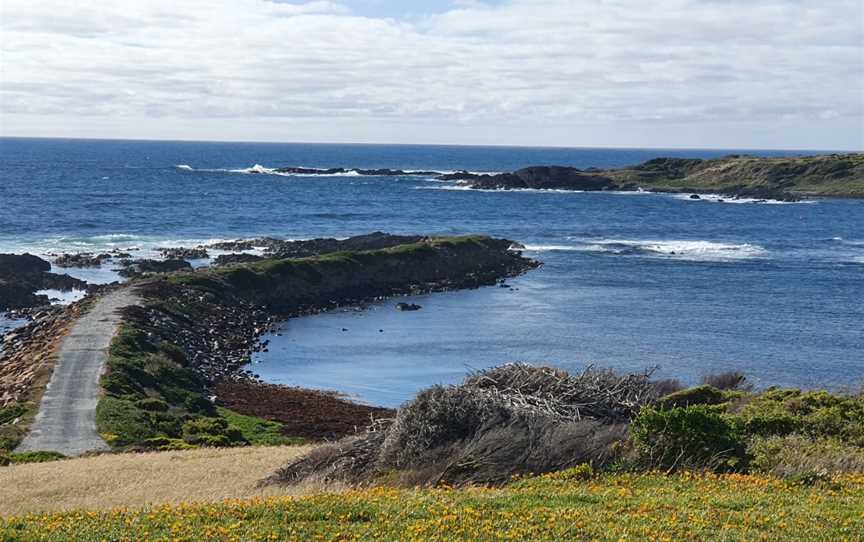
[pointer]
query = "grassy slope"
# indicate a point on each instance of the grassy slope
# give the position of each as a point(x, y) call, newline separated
point(610, 507)
point(812, 176)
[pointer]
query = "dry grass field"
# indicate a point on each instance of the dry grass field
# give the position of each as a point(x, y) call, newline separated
point(137, 480)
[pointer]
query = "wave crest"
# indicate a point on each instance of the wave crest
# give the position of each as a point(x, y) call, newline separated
point(694, 250)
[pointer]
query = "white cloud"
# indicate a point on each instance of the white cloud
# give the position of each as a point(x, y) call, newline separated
point(519, 72)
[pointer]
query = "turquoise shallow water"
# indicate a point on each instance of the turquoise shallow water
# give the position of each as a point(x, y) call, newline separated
point(630, 280)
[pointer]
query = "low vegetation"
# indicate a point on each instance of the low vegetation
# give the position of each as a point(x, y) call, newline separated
point(522, 420)
point(153, 400)
point(21, 458)
point(569, 505)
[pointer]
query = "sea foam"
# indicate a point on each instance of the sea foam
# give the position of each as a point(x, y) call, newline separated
point(694, 250)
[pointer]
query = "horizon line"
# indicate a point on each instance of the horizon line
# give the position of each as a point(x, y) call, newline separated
point(499, 145)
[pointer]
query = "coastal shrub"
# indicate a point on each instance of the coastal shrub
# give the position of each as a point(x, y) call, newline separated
point(816, 414)
point(19, 458)
point(732, 380)
point(699, 395)
point(152, 404)
point(212, 432)
point(797, 456)
point(124, 421)
point(695, 436)
point(154, 400)
point(9, 413)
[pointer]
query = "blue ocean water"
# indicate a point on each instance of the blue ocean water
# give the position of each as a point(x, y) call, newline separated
point(630, 280)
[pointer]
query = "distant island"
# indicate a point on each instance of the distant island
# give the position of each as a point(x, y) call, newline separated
point(734, 176)
point(789, 178)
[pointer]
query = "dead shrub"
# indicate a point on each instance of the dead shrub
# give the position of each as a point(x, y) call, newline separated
point(512, 419)
point(731, 380)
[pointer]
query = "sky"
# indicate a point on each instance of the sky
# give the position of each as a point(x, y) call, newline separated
point(763, 74)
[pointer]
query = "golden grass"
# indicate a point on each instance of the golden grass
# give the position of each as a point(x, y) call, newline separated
point(139, 480)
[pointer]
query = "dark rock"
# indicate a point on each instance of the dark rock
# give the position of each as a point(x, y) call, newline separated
point(695, 196)
point(21, 275)
point(22, 264)
point(82, 259)
point(228, 259)
point(139, 267)
point(546, 177)
point(408, 306)
point(182, 253)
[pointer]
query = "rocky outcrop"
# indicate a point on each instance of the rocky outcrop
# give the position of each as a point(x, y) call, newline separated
point(81, 259)
point(229, 259)
point(136, 268)
point(22, 275)
point(181, 253)
point(279, 248)
point(734, 176)
point(545, 178)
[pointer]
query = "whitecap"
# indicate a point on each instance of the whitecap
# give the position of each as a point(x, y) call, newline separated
point(719, 198)
point(695, 250)
point(60, 297)
point(550, 248)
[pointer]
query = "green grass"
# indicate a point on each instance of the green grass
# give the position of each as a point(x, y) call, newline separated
point(549, 508)
point(29, 457)
point(257, 431)
point(12, 433)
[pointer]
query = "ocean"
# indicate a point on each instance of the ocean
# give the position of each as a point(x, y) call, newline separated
point(630, 280)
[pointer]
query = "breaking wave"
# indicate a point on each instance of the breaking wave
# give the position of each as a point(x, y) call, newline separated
point(718, 198)
point(680, 249)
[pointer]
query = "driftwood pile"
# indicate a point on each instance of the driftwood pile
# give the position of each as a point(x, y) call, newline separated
point(507, 420)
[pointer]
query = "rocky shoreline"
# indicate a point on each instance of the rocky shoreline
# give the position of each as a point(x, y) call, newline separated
point(183, 349)
point(22, 275)
point(216, 315)
point(185, 345)
point(734, 177)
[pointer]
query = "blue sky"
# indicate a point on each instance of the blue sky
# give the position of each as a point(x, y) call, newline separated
point(680, 73)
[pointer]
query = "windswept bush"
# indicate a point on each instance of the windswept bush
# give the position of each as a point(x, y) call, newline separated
point(694, 436)
point(507, 420)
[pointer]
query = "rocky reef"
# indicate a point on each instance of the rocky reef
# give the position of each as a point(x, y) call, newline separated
point(22, 275)
point(734, 176)
point(279, 248)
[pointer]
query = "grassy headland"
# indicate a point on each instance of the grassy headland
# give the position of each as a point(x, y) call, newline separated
point(783, 178)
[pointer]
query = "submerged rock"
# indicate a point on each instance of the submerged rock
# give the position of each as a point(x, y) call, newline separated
point(408, 307)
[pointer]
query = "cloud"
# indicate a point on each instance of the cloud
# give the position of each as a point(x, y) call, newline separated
point(551, 64)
